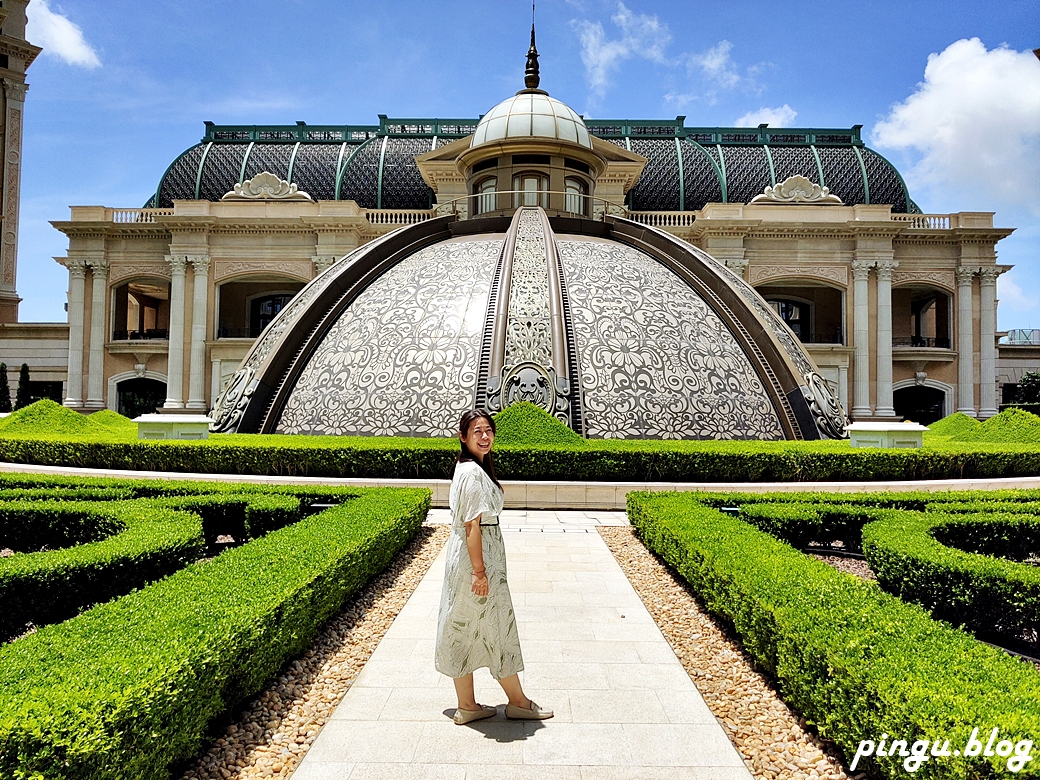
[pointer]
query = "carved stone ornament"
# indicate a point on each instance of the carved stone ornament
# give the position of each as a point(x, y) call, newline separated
point(266, 186)
point(229, 408)
point(532, 382)
point(826, 409)
point(798, 189)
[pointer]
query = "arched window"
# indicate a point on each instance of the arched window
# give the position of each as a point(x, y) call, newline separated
point(486, 195)
point(576, 195)
point(533, 189)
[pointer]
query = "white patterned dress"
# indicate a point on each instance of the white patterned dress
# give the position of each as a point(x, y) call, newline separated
point(476, 631)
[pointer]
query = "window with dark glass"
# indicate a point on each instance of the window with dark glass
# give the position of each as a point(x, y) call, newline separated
point(796, 315)
point(262, 311)
point(576, 198)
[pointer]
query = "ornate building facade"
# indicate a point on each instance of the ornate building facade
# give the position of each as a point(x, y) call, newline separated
point(896, 308)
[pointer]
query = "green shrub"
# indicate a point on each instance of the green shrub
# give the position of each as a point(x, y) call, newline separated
point(114, 549)
point(1011, 425)
point(114, 421)
point(45, 417)
point(526, 423)
point(915, 555)
point(803, 524)
point(127, 688)
point(954, 425)
point(855, 661)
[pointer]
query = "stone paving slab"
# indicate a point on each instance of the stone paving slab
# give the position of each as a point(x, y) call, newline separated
point(608, 496)
point(625, 707)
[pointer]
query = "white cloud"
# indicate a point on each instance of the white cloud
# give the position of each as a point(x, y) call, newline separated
point(641, 36)
point(717, 65)
point(774, 117)
point(58, 36)
point(973, 123)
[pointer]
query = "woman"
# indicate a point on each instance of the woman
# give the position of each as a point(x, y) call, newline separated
point(476, 626)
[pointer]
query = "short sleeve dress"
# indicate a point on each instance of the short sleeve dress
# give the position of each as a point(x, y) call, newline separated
point(475, 631)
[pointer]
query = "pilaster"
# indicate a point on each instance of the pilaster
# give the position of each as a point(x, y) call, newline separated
point(14, 100)
point(197, 366)
point(98, 321)
point(175, 367)
point(861, 339)
point(965, 342)
point(988, 341)
point(884, 338)
point(77, 284)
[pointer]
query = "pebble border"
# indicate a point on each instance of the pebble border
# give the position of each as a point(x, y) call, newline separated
point(772, 740)
point(270, 736)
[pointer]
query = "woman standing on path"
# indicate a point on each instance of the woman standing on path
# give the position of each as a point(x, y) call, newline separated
point(476, 626)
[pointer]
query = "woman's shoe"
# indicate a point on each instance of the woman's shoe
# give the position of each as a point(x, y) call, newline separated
point(534, 712)
point(462, 717)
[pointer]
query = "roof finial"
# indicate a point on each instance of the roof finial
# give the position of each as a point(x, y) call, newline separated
point(531, 74)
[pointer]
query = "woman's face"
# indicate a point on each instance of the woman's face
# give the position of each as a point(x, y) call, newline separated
point(479, 438)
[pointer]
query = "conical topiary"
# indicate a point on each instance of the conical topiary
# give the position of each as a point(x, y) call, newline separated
point(5, 389)
point(23, 397)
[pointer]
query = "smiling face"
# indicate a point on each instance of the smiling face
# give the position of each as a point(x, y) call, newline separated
point(479, 438)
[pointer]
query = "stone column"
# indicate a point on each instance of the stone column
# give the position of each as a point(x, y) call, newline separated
point(14, 94)
point(197, 366)
point(175, 361)
point(988, 341)
point(965, 343)
point(214, 381)
point(74, 386)
point(860, 339)
point(98, 322)
point(884, 338)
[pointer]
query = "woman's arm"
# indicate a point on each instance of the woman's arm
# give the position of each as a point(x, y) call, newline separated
point(476, 557)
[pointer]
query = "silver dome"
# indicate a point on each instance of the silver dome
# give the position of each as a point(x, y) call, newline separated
point(531, 113)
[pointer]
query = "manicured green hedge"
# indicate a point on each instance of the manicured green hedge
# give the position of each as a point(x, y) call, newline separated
point(106, 549)
point(801, 524)
point(915, 555)
point(855, 661)
point(127, 688)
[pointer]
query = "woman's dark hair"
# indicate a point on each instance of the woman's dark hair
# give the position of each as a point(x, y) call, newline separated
point(465, 456)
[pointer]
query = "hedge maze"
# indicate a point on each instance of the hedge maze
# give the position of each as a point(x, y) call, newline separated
point(146, 633)
point(860, 660)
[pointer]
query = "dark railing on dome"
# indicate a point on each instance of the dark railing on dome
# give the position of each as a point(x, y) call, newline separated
point(555, 201)
point(920, 341)
point(224, 332)
point(133, 335)
point(834, 337)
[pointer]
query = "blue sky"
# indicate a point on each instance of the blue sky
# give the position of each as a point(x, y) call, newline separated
point(947, 90)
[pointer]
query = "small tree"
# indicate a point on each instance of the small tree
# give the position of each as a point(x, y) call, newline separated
point(1028, 391)
point(23, 397)
point(5, 389)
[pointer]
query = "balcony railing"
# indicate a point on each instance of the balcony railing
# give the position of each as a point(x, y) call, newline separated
point(237, 333)
point(126, 216)
point(924, 221)
point(663, 219)
point(398, 216)
point(133, 335)
point(921, 342)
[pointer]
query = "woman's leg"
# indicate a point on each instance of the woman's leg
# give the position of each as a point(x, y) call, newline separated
point(464, 692)
point(512, 688)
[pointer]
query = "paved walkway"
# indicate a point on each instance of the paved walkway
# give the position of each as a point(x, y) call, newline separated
point(625, 707)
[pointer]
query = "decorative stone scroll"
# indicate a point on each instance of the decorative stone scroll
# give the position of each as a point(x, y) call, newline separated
point(826, 409)
point(798, 189)
point(944, 279)
point(833, 273)
point(266, 186)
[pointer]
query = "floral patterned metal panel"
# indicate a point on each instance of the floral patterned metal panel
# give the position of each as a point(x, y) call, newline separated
point(180, 179)
point(403, 358)
point(655, 360)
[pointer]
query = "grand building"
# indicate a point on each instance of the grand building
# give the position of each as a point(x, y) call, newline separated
point(895, 309)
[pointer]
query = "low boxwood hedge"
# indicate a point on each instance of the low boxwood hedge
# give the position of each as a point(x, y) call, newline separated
point(105, 550)
point(127, 688)
point(947, 563)
point(857, 662)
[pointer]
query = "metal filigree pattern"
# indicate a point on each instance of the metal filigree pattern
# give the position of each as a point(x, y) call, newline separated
point(402, 359)
point(361, 177)
point(528, 338)
point(884, 181)
point(403, 185)
point(701, 182)
point(794, 161)
point(180, 179)
point(747, 172)
point(221, 169)
point(314, 170)
point(658, 187)
point(842, 173)
point(272, 158)
point(656, 362)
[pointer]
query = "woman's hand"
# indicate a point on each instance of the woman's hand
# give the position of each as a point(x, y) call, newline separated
point(480, 584)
